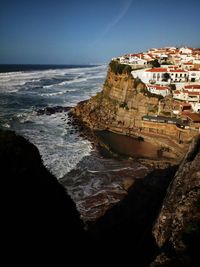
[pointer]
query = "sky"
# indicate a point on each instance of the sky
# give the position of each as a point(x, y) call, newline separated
point(91, 31)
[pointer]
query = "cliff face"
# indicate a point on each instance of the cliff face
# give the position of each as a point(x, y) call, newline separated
point(177, 229)
point(120, 107)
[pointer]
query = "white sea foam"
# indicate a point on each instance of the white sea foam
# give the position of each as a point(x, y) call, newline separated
point(22, 92)
point(60, 150)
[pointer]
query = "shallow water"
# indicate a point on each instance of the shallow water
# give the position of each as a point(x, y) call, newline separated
point(129, 146)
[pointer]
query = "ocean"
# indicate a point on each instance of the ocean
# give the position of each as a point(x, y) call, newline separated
point(26, 88)
point(93, 182)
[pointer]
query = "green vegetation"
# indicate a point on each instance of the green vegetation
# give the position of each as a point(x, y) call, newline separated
point(166, 113)
point(137, 81)
point(153, 109)
point(98, 97)
point(155, 63)
point(172, 86)
point(191, 234)
point(118, 68)
point(166, 76)
point(191, 227)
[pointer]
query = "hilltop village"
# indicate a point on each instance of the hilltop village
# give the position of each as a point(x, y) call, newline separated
point(170, 72)
point(154, 95)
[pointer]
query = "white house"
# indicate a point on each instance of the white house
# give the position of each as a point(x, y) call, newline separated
point(194, 75)
point(155, 74)
point(185, 50)
point(159, 75)
point(187, 65)
point(158, 89)
point(135, 60)
point(178, 75)
point(187, 96)
point(196, 107)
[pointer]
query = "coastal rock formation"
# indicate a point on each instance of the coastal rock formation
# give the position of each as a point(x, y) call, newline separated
point(38, 218)
point(120, 106)
point(177, 229)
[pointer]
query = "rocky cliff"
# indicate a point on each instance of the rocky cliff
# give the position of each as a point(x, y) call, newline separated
point(38, 219)
point(169, 237)
point(120, 106)
point(177, 229)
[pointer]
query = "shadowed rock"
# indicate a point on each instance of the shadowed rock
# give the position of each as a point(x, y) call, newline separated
point(38, 217)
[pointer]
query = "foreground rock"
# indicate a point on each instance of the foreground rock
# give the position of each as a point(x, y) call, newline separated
point(177, 230)
point(40, 221)
point(38, 218)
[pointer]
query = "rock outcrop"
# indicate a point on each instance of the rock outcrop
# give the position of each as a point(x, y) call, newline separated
point(120, 106)
point(38, 219)
point(177, 229)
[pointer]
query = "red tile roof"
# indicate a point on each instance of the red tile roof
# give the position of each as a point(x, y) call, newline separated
point(195, 117)
point(191, 93)
point(158, 87)
point(157, 70)
point(192, 86)
point(185, 104)
point(188, 63)
point(178, 71)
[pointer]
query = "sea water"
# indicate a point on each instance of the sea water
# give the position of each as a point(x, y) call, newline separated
point(26, 88)
point(94, 182)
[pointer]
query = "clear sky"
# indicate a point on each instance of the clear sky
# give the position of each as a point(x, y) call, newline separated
point(91, 31)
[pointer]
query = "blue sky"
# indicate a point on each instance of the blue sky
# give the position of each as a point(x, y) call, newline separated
point(92, 32)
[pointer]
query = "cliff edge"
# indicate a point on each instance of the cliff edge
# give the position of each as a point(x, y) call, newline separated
point(121, 105)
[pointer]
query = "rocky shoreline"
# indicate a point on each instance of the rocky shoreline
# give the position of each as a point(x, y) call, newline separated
point(154, 225)
point(128, 168)
point(119, 109)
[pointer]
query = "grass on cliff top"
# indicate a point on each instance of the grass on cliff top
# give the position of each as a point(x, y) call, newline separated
point(118, 68)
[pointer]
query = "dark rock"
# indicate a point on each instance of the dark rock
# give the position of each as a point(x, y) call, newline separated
point(178, 224)
point(52, 110)
point(126, 229)
point(40, 221)
point(38, 218)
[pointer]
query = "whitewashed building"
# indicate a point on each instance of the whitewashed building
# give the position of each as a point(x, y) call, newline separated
point(185, 50)
point(158, 89)
point(194, 75)
point(165, 74)
point(187, 96)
